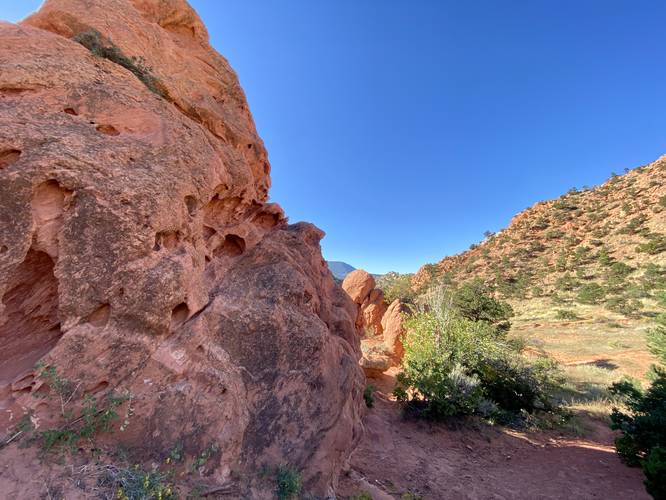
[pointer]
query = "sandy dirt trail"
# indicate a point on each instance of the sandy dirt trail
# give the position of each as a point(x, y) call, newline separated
point(398, 457)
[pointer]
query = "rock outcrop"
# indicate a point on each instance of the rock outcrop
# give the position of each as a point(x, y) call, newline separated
point(372, 310)
point(381, 326)
point(394, 328)
point(139, 255)
point(360, 286)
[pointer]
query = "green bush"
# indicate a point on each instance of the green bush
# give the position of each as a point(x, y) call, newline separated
point(622, 305)
point(288, 483)
point(566, 314)
point(368, 396)
point(591, 293)
point(654, 277)
point(654, 468)
point(643, 425)
point(474, 301)
point(454, 365)
point(396, 286)
point(656, 338)
point(582, 255)
point(616, 276)
point(567, 283)
point(656, 244)
point(634, 225)
point(95, 415)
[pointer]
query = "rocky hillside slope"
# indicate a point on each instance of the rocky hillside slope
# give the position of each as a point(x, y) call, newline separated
point(605, 245)
point(144, 276)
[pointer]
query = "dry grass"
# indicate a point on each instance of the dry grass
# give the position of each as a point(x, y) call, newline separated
point(599, 339)
point(594, 352)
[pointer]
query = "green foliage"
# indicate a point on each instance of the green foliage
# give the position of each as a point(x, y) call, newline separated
point(654, 277)
point(368, 396)
point(656, 339)
point(582, 255)
point(202, 458)
point(473, 301)
point(92, 418)
point(288, 483)
point(92, 40)
point(616, 276)
point(622, 305)
point(134, 483)
point(620, 270)
point(396, 286)
point(634, 225)
point(567, 283)
point(553, 234)
point(656, 244)
point(655, 472)
point(565, 204)
point(591, 293)
point(662, 201)
point(643, 425)
point(566, 314)
point(454, 365)
point(91, 421)
point(561, 263)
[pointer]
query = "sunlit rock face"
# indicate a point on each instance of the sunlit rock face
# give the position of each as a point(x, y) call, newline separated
point(138, 252)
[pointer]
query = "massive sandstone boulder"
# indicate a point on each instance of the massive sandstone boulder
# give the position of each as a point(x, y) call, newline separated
point(138, 254)
point(360, 286)
point(394, 329)
point(372, 310)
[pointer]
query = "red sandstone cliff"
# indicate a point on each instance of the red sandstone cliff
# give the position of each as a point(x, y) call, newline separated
point(138, 254)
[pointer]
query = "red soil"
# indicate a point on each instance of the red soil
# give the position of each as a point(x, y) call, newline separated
point(432, 461)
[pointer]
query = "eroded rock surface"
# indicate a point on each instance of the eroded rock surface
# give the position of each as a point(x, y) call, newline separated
point(138, 253)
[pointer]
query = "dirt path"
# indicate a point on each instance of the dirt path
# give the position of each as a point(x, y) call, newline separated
point(398, 457)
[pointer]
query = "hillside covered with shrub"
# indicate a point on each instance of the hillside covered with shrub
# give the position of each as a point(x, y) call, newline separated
point(604, 245)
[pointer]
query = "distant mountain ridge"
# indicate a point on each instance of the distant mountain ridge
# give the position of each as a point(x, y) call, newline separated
point(340, 269)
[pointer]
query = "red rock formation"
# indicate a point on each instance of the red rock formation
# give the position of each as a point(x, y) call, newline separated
point(382, 326)
point(358, 284)
point(138, 253)
point(394, 329)
point(372, 310)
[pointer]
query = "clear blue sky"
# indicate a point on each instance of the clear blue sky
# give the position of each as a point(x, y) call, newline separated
point(405, 129)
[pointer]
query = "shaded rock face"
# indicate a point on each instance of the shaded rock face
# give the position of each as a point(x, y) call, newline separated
point(138, 252)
